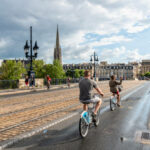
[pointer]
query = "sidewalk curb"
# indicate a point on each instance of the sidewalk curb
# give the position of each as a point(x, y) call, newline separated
point(39, 129)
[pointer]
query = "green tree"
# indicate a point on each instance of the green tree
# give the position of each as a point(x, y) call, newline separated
point(38, 67)
point(0, 73)
point(57, 70)
point(81, 72)
point(48, 70)
point(147, 74)
point(76, 73)
point(69, 73)
point(12, 70)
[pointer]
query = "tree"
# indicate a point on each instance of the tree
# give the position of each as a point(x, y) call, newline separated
point(147, 74)
point(12, 70)
point(76, 73)
point(38, 67)
point(68, 73)
point(0, 73)
point(81, 73)
point(57, 70)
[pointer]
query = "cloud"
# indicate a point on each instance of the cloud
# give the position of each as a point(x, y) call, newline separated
point(121, 54)
point(76, 18)
point(110, 40)
point(3, 43)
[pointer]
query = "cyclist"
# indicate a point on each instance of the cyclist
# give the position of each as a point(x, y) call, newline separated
point(113, 87)
point(86, 86)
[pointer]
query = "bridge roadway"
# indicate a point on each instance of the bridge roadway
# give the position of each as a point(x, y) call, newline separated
point(126, 128)
point(25, 113)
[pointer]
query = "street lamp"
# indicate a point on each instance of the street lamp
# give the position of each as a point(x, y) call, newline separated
point(30, 56)
point(94, 58)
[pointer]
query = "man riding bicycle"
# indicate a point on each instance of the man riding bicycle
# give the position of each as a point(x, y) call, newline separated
point(113, 87)
point(86, 86)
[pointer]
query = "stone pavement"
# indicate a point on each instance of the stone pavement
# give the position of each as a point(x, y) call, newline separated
point(30, 89)
point(25, 113)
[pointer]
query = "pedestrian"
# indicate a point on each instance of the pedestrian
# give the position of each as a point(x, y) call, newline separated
point(68, 82)
point(27, 81)
point(48, 81)
point(32, 80)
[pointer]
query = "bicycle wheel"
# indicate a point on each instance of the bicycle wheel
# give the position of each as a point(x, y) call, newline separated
point(112, 104)
point(83, 128)
point(97, 118)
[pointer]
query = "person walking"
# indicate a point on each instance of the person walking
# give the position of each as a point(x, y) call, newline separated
point(27, 81)
point(48, 81)
point(32, 80)
point(68, 82)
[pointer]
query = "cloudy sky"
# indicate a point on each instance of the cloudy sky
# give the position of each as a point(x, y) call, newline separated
point(117, 30)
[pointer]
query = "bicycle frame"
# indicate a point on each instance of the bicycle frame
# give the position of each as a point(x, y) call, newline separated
point(85, 116)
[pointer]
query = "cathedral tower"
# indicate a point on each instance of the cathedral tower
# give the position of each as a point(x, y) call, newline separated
point(57, 49)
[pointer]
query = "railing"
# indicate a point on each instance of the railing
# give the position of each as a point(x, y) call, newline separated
point(9, 84)
point(62, 81)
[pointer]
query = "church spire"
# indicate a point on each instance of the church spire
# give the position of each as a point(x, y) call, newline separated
point(57, 49)
point(57, 37)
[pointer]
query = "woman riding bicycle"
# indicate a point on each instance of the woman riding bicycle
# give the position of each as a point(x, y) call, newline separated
point(113, 87)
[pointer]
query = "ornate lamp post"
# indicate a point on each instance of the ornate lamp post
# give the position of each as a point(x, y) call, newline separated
point(94, 58)
point(31, 56)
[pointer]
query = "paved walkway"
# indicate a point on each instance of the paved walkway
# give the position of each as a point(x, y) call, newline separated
point(30, 89)
point(25, 113)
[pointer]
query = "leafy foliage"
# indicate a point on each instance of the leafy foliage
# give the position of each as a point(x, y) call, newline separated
point(12, 70)
point(147, 74)
point(38, 67)
point(77, 73)
point(57, 70)
point(54, 70)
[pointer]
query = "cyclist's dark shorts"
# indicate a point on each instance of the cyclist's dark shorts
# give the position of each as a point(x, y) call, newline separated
point(116, 92)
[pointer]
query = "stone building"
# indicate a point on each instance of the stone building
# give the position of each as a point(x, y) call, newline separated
point(57, 49)
point(105, 70)
point(145, 66)
point(127, 71)
point(85, 66)
point(137, 67)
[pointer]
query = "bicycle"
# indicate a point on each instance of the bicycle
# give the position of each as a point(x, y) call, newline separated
point(86, 120)
point(113, 102)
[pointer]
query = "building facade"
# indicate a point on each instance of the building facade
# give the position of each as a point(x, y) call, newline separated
point(145, 66)
point(105, 70)
point(85, 66)
point(127, 71)
point(57, 49)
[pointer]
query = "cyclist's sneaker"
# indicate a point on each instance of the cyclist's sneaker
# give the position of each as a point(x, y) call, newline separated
point(118, 104)
point(94, 117)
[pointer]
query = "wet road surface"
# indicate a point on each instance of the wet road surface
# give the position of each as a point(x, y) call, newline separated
point(117, 130)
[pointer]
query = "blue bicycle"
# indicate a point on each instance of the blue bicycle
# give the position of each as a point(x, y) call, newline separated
point(86, 120)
